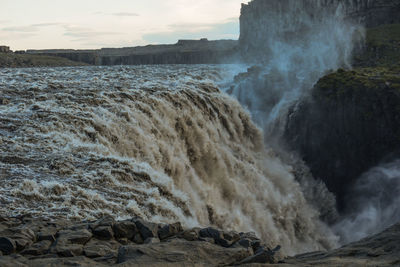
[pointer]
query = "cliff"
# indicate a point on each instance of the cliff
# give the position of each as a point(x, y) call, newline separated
point(257, 17)
point(184, 52)
point(11, 60)
point(349, 124)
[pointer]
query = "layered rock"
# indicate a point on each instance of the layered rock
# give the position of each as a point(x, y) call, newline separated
point(184, 52)
point(349, 124)
point(26, 241)
point(258, 18)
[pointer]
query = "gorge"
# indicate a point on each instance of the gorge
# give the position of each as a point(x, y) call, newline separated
point(298, 154)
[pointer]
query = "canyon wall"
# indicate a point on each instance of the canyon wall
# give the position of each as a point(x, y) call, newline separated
point(183, 52)
point(256, 19)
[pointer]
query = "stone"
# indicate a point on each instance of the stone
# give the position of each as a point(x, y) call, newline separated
point(169, 230)
point(125, 229)
point(47, 234)
point(101, 249)
point(22, 243)
point(152, 240)
point(245, 242)
point(138, 239)
point(263, 256)
point(179, 252)
point(74, 237)
point(68, 250)
point(147, 229)
point(105, 221)
point(190, 235)
point(104, 232)
point(7, 245)
point(223, 239)
point(39, 248)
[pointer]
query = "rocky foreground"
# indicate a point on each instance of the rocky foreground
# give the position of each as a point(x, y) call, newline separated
point(27, 241)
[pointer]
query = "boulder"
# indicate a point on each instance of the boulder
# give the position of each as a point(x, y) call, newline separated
point(7, 245)
point(104, 232)
point(262, 256)
point(169, 230)
point(47, 234)
point(39, 248)
point(96, 248)
point(74, 237)
point(105, 221)
point(125, 229)
point(179, 252)
point(151, 240)
point(225, 239)
point(147, 229)
point(67, 250)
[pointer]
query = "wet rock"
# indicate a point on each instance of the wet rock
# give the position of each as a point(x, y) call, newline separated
point(138, 239)
point(7, 245)
point(68, 250)
point(80, 261)
point(169, 230)
point(9, 261)
point(190, 235)
point(104, 232)
point(245, 242)
point(98, 251)
point(125, 229)
point(225, 239)
point(22, 243)
point(179, 252)
point(152, 240)
point(39, 248)
point(263, 256)
point(74, 237)
point(47, 234)
point(106, 221)
point(147, 229)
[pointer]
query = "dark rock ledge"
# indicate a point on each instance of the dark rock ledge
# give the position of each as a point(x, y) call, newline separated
point(27, 241)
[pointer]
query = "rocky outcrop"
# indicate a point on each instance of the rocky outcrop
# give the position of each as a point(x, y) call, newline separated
point(258, 18)
point(183, 52)
point(349, 124)
point(26, 241)
point(12, 60)
point(382, 249)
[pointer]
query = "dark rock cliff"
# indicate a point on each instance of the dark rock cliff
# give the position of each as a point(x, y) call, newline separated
point(184, 52)
point(258, 15)
point(350, 123)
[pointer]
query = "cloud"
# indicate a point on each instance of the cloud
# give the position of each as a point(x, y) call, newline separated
point(118, 14)
point(47, 24)
point(228, 29)
point(20, 29)
point(82, 33)
point(125, 14)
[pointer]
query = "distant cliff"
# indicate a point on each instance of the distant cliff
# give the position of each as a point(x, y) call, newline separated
point(184, 52)
point(256, 18)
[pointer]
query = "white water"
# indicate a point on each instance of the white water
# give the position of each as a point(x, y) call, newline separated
point(161, 142)
point(374, 203)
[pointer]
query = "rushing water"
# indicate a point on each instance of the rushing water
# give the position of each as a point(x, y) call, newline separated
point(161, 142)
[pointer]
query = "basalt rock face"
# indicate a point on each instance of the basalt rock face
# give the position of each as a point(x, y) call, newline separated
point(349, 124)
point(258, 16)
point(184, 52)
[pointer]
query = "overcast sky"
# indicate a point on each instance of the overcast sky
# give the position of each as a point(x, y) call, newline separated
point(41, 24)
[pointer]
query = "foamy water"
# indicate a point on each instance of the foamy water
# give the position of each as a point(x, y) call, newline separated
point(161, 142)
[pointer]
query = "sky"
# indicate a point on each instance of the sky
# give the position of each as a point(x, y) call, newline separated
point(85, 24)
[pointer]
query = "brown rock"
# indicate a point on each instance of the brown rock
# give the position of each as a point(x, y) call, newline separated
point(37, 249)
point(125, 229)
point(104, 232)
point(7, 245)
